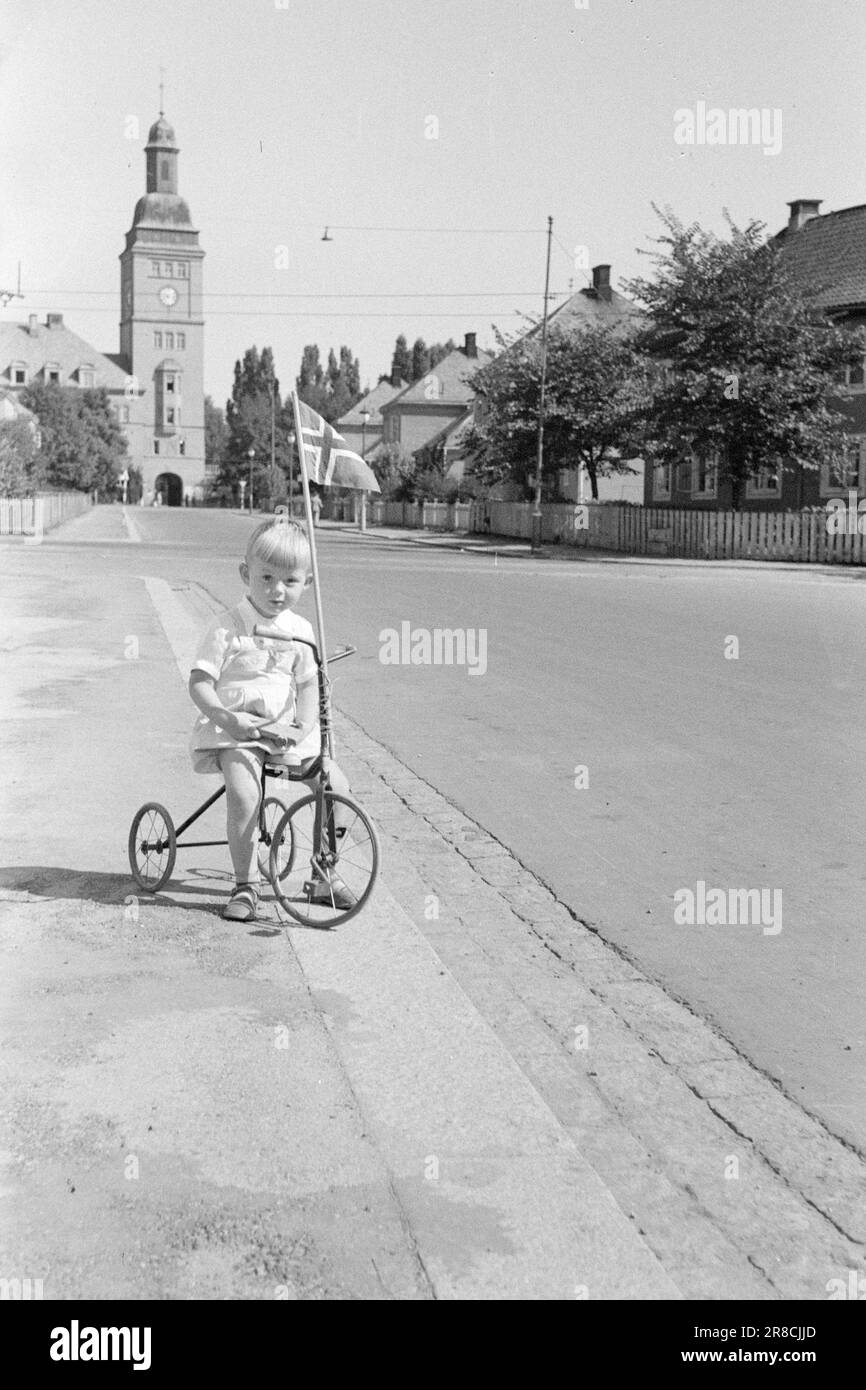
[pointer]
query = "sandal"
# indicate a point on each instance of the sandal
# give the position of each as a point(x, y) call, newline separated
point(327, 889)
point(242, 905)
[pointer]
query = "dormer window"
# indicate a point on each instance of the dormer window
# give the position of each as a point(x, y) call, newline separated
point(52, 373)
point(85, 377)
point(19, 374)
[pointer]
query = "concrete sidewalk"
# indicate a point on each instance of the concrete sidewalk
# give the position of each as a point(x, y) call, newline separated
point(509, 547)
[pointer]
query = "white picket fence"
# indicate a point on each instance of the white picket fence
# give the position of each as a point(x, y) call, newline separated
point(703, 535)
point(33, 516)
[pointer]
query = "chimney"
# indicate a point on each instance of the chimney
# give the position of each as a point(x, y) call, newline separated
point(396, 379)
point(33, 324)
point(802, 211)
point(469, 347)
point(601, 281)
point(54, 321)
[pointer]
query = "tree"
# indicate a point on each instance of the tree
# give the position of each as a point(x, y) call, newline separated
point(255, 415)
point(216, 435)
point(401, 362)
point(344, 384)
point(332, 392)
point(420, 360)
point(749, 357)
point(82, 445)
point(17, 457)
point(598, 386)
point(310, 383)
point(394, 468)
point(440, 350)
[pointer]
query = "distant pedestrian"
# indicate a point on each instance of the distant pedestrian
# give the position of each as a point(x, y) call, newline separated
point(316, 504)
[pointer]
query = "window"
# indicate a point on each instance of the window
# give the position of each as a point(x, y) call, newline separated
point(156, 446)
point(662, 482)
point(154, 267)
point(52, 373)
point(169, 340)
point(182, 448)
point(124, 414)
point(169, 383)
point(165, 165)
point(846, 472)
point(685, 478)
point(182, 270)
point(180, 341)
point(157, 340)
point(765, 482)
point(704, 470)
point(855, 374)
point(85, 377)
point(19, 374)
point(169, 415)
point(166, 269)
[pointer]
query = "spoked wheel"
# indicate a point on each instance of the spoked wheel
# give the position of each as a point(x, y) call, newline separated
point(270, 815)
point(334, 859)
point(152, 847)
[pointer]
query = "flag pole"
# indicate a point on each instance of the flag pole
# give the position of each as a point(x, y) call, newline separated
point(314, 564)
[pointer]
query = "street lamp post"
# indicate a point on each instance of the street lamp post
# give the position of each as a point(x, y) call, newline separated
point(362, 520)
point(251, 453)
point(536, 511)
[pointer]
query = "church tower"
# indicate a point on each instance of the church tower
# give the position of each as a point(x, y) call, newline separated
point(162, 330)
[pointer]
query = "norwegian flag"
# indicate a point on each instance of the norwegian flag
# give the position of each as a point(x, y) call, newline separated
point(327, 457)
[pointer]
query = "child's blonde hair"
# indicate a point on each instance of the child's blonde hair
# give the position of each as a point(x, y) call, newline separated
point(282, 542)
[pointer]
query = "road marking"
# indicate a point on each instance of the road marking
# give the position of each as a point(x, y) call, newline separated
point(180, 628)
point(131, 527)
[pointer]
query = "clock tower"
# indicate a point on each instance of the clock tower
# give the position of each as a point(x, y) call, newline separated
point(162, 331)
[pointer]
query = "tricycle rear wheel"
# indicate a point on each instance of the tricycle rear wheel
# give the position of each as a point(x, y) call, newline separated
point(152, 847)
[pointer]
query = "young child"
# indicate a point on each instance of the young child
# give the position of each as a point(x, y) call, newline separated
point(259, 699)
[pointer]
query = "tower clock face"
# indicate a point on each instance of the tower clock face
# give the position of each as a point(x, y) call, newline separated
point(168, 295)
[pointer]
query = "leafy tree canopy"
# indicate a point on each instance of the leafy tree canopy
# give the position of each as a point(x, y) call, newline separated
point(597, 387)
point(82, 445)
point(749, 358)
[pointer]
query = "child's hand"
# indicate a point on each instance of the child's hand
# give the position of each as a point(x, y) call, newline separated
point(242, 727)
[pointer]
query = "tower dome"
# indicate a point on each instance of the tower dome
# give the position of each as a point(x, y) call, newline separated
point(161, 153)
point(161, 134)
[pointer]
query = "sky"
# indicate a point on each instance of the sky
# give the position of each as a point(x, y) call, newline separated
point(433, 139)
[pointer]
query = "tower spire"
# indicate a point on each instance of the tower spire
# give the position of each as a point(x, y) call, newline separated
point(162, 91)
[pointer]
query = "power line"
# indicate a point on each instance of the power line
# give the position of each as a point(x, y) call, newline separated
point(439, 231)
point(312, 294)
point(300, 314)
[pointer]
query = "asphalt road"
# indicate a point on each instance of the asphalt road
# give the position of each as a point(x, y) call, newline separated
point(742, 773)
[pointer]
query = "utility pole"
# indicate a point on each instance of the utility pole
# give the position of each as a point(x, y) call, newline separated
point(536, 511)
point(273, 446)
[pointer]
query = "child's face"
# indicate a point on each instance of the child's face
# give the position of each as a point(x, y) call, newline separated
point(272, 587)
